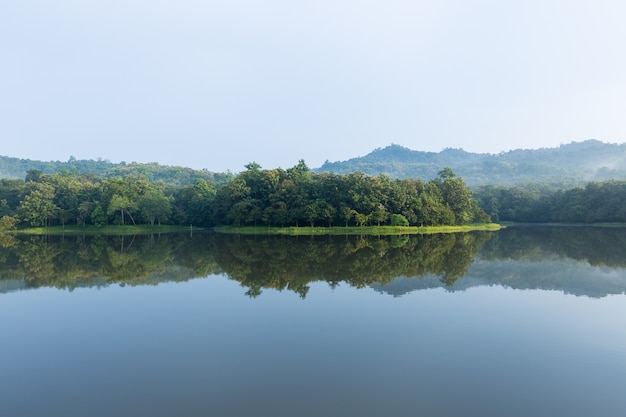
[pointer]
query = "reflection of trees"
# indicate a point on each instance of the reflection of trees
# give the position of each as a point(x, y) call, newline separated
point(70, 262)
point(290, 263)
point(39, 258)
point(128, 259)
point(6, 241)
point(293, 263)
point(599, 246)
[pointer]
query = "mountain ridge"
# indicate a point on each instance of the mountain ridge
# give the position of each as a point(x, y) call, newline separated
point(566, 166)
point(570, 164)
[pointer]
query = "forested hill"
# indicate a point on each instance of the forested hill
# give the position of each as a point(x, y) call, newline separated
point(15, 168)
point(568, 165)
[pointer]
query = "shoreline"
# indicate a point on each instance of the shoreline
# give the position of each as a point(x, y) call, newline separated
point(117, 230)
point(355, 230)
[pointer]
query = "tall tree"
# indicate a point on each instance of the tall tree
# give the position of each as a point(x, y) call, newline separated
point(38, 206)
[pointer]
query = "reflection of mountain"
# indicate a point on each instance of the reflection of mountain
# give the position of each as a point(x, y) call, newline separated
point(581, 261)
point(575, 260)
point(566, 275)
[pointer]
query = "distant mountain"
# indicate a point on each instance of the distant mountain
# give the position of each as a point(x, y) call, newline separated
point(15, 168)
point(568, 165)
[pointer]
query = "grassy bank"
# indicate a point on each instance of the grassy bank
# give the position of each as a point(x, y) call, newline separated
point(104, 230)
point(251, 230)
point(355, 230)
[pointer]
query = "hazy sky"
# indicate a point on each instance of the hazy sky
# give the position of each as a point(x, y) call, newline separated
point(217, 84)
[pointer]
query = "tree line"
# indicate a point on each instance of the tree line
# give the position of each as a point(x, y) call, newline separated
point(597, 202)
point(276, 197)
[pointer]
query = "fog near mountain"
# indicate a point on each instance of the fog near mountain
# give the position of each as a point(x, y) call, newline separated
point(567, 165)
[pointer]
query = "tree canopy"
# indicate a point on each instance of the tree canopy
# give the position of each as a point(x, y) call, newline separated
point(297, 196)
point(274, 197)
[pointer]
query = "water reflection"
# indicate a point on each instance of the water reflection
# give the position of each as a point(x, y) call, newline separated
point(579, 260)
point(598, 246)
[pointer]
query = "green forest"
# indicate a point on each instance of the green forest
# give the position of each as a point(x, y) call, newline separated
point(293, 197)
point(296, 196)
point(596, 202)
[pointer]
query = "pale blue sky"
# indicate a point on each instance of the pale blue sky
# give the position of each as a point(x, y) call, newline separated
point(217, 84)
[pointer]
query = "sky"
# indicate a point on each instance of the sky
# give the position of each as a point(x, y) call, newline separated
point(217, 84)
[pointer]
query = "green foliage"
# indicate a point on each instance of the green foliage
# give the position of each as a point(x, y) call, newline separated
point(256, 196)
point(399, 220)
point(33, 175)
point(8, 222)
point(37, 207)
point(98, 218)
point(194, 204)
point(597, 202)
point(155, 206)
point(297, 196)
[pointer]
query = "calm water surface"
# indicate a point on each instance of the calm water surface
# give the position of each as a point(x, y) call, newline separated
point(523, 322)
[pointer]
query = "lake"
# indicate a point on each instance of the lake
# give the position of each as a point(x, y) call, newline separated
point(527, 321)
